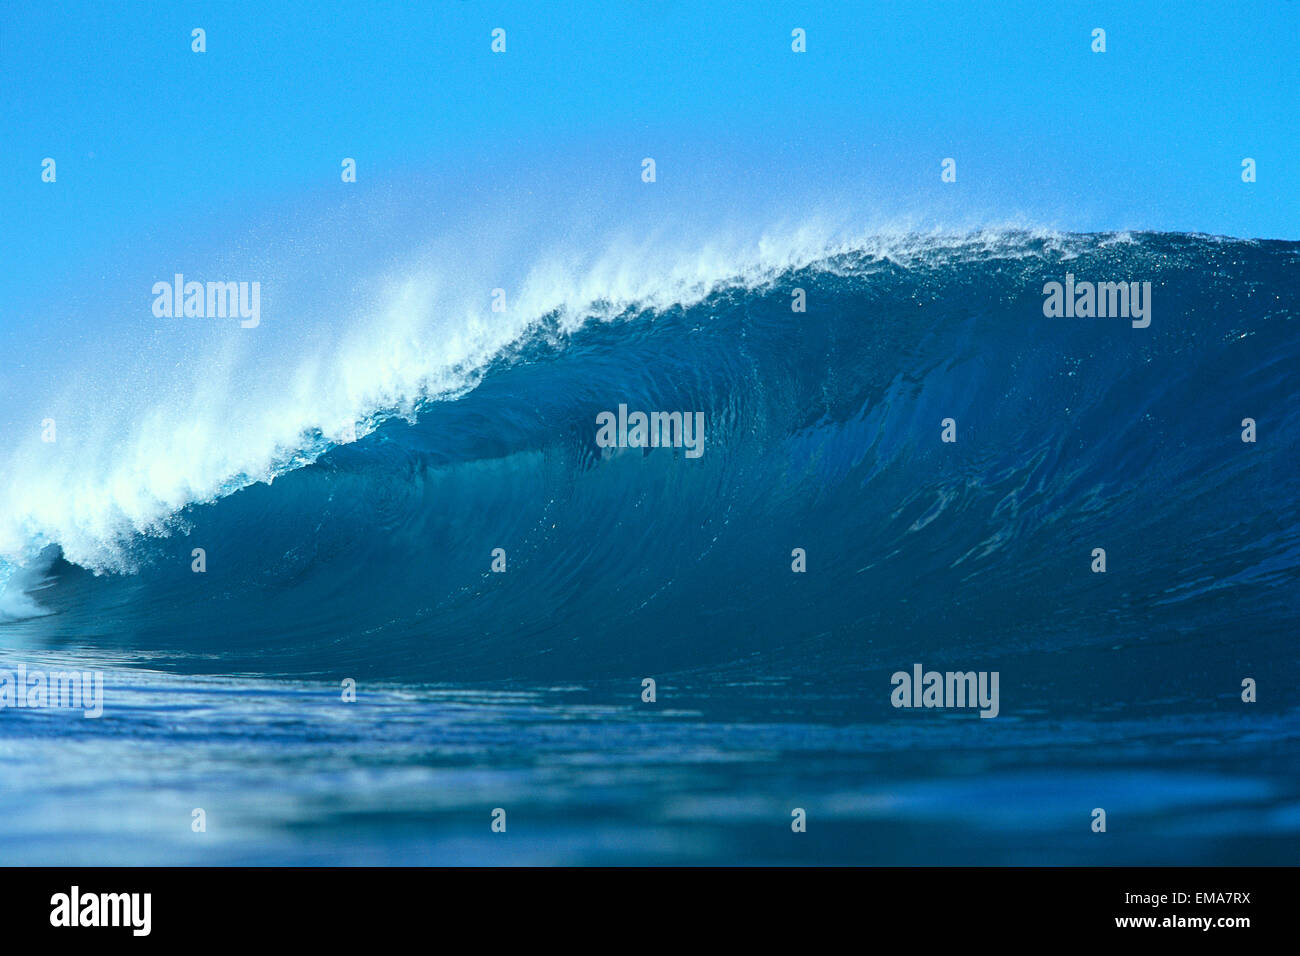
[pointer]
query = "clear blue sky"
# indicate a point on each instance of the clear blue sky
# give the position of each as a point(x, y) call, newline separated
point(157, 144)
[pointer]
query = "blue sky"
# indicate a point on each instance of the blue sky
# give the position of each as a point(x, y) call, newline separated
point(158, 146)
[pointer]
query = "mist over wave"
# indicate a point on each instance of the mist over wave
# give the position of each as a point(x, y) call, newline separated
point(159, 414)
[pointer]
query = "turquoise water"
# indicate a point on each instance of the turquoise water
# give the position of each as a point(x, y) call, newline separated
point(371, 560)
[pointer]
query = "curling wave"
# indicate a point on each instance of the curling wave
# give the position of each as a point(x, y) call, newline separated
point(822, 434)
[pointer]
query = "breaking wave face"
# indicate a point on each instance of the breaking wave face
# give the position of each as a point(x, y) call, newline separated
point(477, 431)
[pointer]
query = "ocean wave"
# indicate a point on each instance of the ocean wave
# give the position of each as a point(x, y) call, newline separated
point(822, 433)
point(130, 459)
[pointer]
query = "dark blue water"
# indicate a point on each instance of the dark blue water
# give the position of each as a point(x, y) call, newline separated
point(522, 690)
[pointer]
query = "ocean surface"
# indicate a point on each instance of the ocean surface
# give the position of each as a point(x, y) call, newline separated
point(329, 559)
